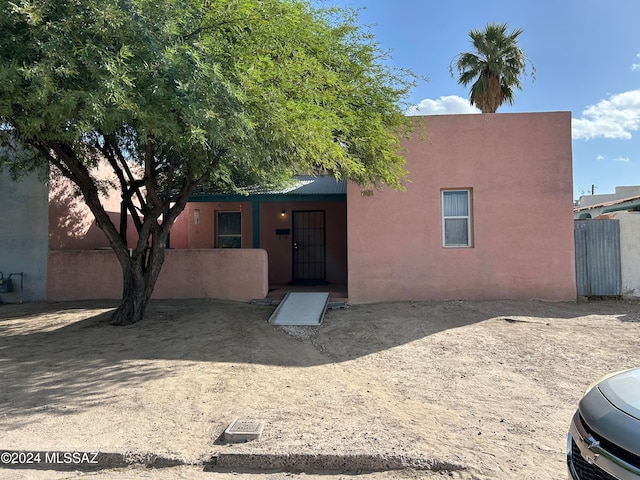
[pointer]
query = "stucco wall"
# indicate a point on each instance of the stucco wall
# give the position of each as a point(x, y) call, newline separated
point(72, 226)
point(232, 274)
point(23, 235)
point(629, 252)
point(519, 167)
point(187, 234)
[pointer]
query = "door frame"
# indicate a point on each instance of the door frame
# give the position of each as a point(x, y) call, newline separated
point(296, 275)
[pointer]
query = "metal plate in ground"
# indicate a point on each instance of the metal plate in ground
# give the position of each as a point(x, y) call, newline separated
point(301, 308)
point(243, 430)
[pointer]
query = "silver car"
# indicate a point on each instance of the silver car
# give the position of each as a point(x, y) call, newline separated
point(604, 435)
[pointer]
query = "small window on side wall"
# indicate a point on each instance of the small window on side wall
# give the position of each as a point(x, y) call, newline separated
point(229, 230)
point(456, 218)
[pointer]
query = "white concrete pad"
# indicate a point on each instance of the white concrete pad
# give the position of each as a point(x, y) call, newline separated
point(301, 308)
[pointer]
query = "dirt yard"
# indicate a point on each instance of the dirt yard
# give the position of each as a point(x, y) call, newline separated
point(463, 390)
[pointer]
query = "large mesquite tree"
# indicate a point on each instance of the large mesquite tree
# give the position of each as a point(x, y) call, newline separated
point(174, 94)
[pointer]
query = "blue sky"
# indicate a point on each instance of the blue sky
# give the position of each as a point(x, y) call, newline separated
point(587, 59)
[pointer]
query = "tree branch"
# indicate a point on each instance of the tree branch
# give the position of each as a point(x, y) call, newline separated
point(71, 167)
point(150, 179)
point(188, 186)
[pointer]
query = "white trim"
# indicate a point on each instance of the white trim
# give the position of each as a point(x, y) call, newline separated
point(467, 217)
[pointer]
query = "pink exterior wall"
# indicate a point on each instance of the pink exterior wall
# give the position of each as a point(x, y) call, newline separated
point(71, 223)
point(179, 235)
point(519, 167)
point(187, 234)
point(232, 274)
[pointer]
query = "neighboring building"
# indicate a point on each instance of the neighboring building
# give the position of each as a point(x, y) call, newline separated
point(629, 251)
point(486, 215)
point(591, 206)
point(612, 254)
point(23, 237)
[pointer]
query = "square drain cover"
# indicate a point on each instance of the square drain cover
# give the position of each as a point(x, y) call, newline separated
point(243, 430)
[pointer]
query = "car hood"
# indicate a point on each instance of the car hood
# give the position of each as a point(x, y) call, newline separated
point(623, 391)
point(612, 409)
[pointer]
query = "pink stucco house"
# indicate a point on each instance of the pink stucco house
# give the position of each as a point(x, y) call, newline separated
point(487, 214)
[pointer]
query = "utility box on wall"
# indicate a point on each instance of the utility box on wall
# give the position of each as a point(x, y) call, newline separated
point(6, 285)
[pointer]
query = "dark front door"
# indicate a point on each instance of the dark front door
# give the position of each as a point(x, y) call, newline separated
point(309, 250)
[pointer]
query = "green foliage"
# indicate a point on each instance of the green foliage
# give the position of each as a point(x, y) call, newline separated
point(494, 68)
point(223, 91)
point(173, 94)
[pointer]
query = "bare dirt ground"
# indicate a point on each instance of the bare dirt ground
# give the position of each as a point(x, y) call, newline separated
point(462, 390)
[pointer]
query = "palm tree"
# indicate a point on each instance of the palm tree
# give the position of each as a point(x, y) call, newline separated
point(494, 68)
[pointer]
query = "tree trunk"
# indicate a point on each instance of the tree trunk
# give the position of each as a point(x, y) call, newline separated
point(494, 96)
point(139, 275)
point(141, 268)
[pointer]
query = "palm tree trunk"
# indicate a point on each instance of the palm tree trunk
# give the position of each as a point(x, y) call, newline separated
point(493, 96)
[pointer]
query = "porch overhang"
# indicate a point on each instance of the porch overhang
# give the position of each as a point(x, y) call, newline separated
point(306, 188)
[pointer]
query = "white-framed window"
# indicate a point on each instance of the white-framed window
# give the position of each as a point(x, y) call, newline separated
point(229, 230)
point(456, 218)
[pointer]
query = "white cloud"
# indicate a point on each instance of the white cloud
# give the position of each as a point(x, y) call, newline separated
point(601, 158)
point(442, 106)
point(635, 66)
point(616, 117)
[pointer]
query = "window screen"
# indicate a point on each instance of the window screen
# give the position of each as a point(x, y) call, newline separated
point(456, 218)
point(229, 230)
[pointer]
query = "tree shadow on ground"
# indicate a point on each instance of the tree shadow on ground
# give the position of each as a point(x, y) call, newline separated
point(52, 352)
